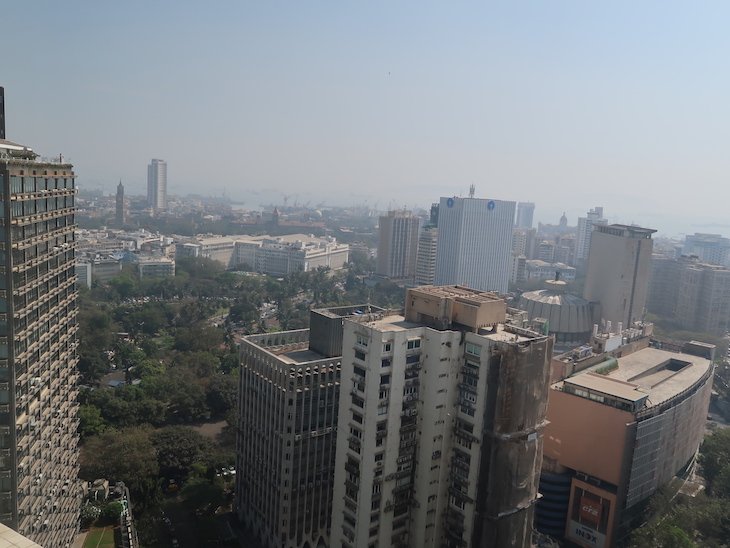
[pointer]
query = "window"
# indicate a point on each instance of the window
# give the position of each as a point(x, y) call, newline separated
point(359, 371)
point(385, 363)
point(360, 355)
point(357, 417)
point(387, 347)
point(379, 457)
point(384, 379)
point(414, 343)
point(473, 349)
point(361, 340)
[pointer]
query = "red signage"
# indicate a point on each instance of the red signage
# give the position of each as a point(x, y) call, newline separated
point(590, 510)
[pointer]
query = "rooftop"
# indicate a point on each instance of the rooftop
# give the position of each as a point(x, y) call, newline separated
point(651, 374)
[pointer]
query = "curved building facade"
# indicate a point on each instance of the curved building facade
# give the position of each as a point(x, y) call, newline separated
point(620, 436)
point(569, 317)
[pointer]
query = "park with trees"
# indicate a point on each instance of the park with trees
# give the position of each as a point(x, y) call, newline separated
point(170, 344)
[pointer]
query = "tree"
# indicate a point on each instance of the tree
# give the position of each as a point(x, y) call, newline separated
point(91, 422)
point(89, 514)
point(111, 512)
point(715, 455)
point(222, 393)
point(148, 368)
point(202, 496)
point(126, 455)
point(178, 449)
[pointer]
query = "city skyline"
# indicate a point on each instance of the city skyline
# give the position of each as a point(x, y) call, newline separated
point(566, 105)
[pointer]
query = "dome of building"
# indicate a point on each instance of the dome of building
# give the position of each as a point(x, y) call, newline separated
point(569, 317)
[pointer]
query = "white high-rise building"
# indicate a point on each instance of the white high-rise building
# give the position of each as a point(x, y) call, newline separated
point(525, 212)
point(440, 422)
point(585, 228)
point(475, 243)
point(426, 257)
point(157, 185)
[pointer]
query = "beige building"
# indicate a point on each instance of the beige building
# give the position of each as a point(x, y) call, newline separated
point(440, 425)
point(616, 433)
point(274, 255)
point(398, 245)
point(619, 266)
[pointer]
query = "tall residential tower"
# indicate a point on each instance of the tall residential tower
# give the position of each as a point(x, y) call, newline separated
point(440, 424)
point(39, 492)
point(157, 185)
point(397, 245)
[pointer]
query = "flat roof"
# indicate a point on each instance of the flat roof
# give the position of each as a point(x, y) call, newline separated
point(503, 333)
point(457, 292)
point(658, 374)
point(10, 538)
point(608, 386)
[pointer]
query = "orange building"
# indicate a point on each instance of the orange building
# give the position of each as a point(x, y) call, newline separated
point(616, 434)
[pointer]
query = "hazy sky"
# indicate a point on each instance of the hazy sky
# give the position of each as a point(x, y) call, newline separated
point(568, 104)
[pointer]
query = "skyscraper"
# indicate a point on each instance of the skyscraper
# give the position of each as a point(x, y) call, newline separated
point(287, 427)
point(619, 265)
point(475, 243)
point(440, 424)
point(426, 258)
point(585, 230)
point(121, 214)
point(157, 185)
point(525, 212)
point(397, 245)
point(40, 495)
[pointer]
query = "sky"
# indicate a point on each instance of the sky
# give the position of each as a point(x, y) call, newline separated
point(569, 104)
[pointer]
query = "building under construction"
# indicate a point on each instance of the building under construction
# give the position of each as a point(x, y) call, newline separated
point(440, 422)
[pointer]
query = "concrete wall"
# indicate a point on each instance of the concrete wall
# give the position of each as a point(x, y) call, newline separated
point(587, 436)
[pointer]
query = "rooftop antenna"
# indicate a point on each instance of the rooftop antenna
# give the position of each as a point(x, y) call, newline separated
point(471, 191)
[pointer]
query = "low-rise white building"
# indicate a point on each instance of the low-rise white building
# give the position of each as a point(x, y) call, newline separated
point(155, 267)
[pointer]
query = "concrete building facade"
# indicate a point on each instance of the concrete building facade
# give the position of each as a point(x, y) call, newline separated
point(475, 243)
point(39, 490)
point(692, 294)
point(525, 213)
point(155, 267)
point(585, 231)
point(397, 245)
point(157, 185)
point(440, 424)
point(619, 266)
point(286, 431)
point(426, 257)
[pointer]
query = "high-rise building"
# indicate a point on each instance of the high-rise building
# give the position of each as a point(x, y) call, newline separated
point(440, 424)
point(157, 185)
point(397, 245)
point(709, 248)
point(426, 258)
point(585, 230)
point(619, 266)
point(287, 426)
point(40, 495)
point(121, 212)
point(475, 243)
point(525, 212)
point(693, 295)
